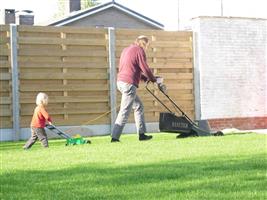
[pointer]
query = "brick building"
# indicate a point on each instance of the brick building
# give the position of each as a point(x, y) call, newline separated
point(231, 71)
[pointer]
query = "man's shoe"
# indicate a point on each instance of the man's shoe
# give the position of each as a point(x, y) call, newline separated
point(143, 137)
point(114, 140)
point(25, 148)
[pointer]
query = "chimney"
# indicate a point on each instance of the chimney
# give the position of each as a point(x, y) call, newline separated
point(9, 16)
point(25, 17)
point(74, 5)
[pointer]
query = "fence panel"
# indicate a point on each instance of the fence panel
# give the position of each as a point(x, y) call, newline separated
point(170, 56)
point(5, 79)
point(71, 66)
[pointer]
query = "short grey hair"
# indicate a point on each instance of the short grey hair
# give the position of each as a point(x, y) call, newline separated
point(142, 41)
point(142, 37)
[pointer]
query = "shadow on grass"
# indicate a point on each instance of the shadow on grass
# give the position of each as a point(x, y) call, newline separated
point(240, 178)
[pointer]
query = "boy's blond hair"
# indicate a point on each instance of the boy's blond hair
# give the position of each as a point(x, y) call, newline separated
point(41, 99)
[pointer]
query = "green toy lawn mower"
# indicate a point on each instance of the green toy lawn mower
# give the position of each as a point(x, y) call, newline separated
point(69, 140)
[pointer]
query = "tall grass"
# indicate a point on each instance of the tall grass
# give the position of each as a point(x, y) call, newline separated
point(229, 167)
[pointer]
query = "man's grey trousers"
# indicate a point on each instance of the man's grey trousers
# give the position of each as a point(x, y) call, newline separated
point(129, 101)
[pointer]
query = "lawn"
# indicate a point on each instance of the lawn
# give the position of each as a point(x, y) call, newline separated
point(228, 167)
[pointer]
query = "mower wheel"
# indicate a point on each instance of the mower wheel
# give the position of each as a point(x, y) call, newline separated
point(218, 133)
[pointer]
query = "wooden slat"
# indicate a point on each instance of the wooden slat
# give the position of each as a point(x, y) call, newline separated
point(176, 76)
point(172, 55)
point(4, 41)
point(100, 65)
point(4, 64)
point(158, 44)
point(169, 55)
point(5, 123)
point(65, 111)
point(38, 52)
point(70, 99)
point(51, 29)
point(45, 88)
point(5, 76)
point(5, 100)
point(180, 86)
point(177, 65)
point(177, 97)
point(5, 88)
point(72, 120)
point(135, 32)
point(53, 76)
point(4, 52)
point(61, 41)
point(5, 111)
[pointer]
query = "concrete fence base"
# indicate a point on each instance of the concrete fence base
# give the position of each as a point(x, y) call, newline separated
point(86, 131)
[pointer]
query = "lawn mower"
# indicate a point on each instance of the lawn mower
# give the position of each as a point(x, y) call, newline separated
point(70, 140)
point(182, 124)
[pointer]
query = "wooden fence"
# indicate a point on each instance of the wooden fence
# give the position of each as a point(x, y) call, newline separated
point(5, 78)
point(73, 66)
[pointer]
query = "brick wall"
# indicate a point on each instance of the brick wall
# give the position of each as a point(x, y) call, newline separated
point(243, 123)
point(231, 71)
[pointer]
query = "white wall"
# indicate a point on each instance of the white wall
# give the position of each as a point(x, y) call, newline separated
point(230, 67)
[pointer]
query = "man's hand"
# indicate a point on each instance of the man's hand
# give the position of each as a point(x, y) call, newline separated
point(159, 80)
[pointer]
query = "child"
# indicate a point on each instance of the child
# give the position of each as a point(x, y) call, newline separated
point(38, 122)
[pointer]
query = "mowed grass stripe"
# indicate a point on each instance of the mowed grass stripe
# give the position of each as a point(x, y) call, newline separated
point(228, 167)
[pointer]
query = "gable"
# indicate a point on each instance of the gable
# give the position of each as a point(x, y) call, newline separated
point(109, 12)
point(112, 17)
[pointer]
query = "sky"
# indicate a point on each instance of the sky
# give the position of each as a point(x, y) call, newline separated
point(173, 14)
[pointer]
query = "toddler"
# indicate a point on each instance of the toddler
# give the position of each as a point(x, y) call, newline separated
point(39, 119)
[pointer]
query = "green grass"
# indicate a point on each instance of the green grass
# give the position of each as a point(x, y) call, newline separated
point(229, 167)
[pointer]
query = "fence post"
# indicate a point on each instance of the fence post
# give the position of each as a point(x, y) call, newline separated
point(112, 76)
point(197, 75)
point(15, 82)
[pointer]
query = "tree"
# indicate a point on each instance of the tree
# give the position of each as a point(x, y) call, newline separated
point(63, 5)
point(89, 3)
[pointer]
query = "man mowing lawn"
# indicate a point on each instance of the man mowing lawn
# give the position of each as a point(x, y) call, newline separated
point(132, 68)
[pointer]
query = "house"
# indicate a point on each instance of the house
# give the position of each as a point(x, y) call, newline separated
point(20, 17)
point(111, 14)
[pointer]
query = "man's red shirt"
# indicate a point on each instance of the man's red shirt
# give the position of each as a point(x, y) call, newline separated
point(133, 66)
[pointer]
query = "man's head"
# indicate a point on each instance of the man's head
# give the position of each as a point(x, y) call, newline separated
point(142, 41)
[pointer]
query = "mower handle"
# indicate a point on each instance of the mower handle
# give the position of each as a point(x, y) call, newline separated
point(163, 92)
point(156, 96)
